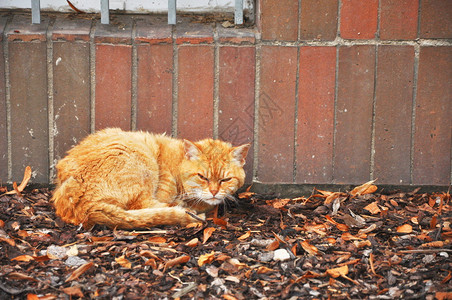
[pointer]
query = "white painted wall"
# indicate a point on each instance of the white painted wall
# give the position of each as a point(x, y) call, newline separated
point(139, 6)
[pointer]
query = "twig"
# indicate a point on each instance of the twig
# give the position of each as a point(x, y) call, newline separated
point(424, 251)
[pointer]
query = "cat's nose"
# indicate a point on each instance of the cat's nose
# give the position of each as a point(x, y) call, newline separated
point(213, 191)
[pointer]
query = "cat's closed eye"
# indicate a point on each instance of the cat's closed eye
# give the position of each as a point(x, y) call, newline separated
point(202, 177)
point(225, 179)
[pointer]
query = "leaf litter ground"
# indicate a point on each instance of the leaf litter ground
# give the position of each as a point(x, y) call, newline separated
point(361, 244)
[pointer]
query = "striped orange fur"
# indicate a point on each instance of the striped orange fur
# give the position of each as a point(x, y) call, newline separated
point(139, 180)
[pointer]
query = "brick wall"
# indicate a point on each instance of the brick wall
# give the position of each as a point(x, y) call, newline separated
point(327, 92)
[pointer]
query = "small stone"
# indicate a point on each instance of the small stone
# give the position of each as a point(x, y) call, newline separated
point(75, 261)
point(281, 255)
point(266, 256)
point(56, 252)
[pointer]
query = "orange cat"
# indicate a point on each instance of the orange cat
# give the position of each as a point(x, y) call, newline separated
point(139, 180)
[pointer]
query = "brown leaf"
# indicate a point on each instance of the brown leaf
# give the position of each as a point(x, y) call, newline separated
point(264, 270)
point(229, 297)
point(206, 258)
point(157, 239)
point(220, 222)
point(311, 249)
point(73, 291)
point(207, 234)
point(124, 262)
point(23, 258)
point(32, 297)
point(272, 246)
point(278, 203)
point(192, 243)
point(176, 261)
point(244, 236)
point(435, 244)
point(366, 188)
point(23, 184)
point(373, 208)
point(79, 271)
point(336, 272)
point(405, 228)
point(20, 276)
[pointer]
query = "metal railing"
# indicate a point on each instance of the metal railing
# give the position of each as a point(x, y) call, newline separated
point(105, 12)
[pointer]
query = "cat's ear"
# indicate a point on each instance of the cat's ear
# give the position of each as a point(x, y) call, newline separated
point(239, 154)
point(192, 152)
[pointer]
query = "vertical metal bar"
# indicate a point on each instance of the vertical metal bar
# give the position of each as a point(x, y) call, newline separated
point(238, 12)
point(172, 12)
point(35, 12)
point(104, 12)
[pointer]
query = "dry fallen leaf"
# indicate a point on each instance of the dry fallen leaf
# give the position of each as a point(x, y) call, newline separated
point(336, 272)
point(373, 208)
point(73, 291)
point(192, 243)
point(311, 249)
point(244, 236)
point(366, 188)
point(206, 258)
point(124, 262)
point(176, 261)
point(79, 271)
point(157, 240)
point(23, 258)
point(207, 234)
point(23, 184)
point(20, 276)
point(405, 228)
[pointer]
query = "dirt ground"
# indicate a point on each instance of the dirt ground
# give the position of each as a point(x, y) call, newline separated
point(361, 244)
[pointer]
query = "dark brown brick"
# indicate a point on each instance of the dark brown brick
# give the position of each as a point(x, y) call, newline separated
point(113, 86)
point(153, 30)
point(354, 114)
point(3, 132)
point(236, 90)
point(29, 113)
point(393, 108)
point(279, 20)
point(432, 139)
point(195, 92)
point(318, 19)
point(436, 19)
point(398, 19)
point(155, 75)
point(316, 114)
point(277, 114)
point(71, 98)
point(359, 19)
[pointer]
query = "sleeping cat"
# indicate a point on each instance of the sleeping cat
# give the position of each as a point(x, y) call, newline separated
point(139, 180)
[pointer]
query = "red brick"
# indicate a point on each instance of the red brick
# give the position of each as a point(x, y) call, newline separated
point(155, 94)
point(3, 132)
point(318, 19)
point(193, 33)
point(195, 92)
point(354, 114)
point(29, 113)
point(113, 86)
point(279, 20)
point(398, 19)
point(432, 139)
point(277, 114)
point(153, 30)
point(71, 94)
point(359, 19)
point(236, 90)
point(436, 19)
point(393, 108)
point(316, 114)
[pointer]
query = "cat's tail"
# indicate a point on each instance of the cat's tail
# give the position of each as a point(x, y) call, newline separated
point(115, 217)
